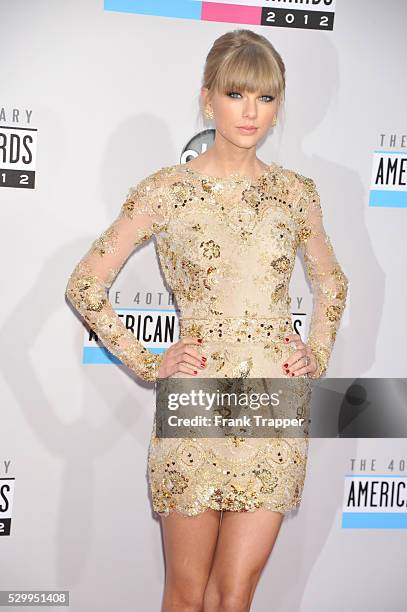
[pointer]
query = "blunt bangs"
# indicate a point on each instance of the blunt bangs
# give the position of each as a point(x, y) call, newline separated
point(250, 68)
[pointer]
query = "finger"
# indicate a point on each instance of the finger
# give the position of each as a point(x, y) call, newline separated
point(187, 341)
point(178, 363)
point(191, 359)
point(292, 338)
point(296, 340)
point(191, 340)
point(290, 362)
point(181, 367)
point(304, 369)
point(190, 355)
point(300, 372)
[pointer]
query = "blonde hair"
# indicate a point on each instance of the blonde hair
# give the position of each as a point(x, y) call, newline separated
point(244, 61)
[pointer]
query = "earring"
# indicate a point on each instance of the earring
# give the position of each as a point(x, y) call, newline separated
point(274, 123)
point(209, 113)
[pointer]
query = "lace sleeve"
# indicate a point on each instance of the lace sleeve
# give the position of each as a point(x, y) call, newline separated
point(145, 212)
point(328, 281)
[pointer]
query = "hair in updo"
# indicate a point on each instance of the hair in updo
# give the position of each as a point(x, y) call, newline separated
point(242, 60)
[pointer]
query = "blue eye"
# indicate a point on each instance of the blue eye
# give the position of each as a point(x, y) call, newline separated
point(231, 94)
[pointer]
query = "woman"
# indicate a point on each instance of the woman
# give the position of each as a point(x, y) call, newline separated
point(227, 227)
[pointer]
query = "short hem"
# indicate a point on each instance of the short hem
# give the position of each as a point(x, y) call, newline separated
point(219, 508)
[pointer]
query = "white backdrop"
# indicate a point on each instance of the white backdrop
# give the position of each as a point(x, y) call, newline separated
point(110, 97)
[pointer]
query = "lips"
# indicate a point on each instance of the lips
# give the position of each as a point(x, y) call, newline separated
point(247, 130)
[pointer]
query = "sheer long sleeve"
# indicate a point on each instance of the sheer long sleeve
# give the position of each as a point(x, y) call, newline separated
point(328, 281)
point(144, 213)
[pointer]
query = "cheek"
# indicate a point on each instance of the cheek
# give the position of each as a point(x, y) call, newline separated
point(266, 116)
point(227, 116)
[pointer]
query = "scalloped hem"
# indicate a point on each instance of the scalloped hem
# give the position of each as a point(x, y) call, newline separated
point(223, 508)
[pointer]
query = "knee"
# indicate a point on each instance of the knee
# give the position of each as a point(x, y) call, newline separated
point(235, 602)
point(183, 599)
point(227, 600)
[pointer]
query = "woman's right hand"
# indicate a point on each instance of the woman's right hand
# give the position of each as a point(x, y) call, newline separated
point(181, 357)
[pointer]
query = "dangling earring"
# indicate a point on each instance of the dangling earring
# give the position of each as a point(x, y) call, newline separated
point(209, 113)
point(274, 123)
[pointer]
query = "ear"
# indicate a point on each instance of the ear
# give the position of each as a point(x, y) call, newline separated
point(205, 95)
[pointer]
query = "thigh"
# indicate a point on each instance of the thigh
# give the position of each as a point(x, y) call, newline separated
point(190, 543)
point(245, 542)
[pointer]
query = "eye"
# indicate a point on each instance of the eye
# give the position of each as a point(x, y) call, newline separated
point(232, 94)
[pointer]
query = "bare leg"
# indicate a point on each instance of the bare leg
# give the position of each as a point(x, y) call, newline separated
point(245, 542)
point(190, 543)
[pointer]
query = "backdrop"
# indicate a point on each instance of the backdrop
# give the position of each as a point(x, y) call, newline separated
point(93, 98)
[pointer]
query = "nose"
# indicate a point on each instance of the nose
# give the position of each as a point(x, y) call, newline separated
point(249, 107)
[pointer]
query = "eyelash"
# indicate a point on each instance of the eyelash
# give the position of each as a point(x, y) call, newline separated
point(236, 92)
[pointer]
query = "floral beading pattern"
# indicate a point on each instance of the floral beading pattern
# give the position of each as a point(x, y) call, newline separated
point(227, 249)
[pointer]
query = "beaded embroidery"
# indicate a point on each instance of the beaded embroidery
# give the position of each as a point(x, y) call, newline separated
point(227, 248)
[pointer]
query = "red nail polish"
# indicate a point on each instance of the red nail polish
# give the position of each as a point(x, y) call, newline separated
point(292, 374)
point(199, 340)
point(286, 365)
point(286, 339)
point(287, 371)
point(195, 371)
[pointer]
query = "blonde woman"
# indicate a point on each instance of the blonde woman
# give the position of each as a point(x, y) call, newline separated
point(227, 228)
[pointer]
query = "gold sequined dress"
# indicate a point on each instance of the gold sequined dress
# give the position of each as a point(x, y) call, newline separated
point(227, 247)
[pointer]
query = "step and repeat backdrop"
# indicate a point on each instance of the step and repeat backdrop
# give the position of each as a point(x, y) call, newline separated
point(95, 96)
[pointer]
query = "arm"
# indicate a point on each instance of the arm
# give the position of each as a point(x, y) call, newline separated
point(328, 281)
point(144, 213)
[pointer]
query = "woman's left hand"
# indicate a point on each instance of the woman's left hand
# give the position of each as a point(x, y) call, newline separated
point(302, 361)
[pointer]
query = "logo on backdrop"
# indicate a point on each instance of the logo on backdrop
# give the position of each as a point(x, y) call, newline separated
point(389, 173)
point(6, 497)
point(197, 145)
point(303, 14)
point(375, 496)
point(156, 328)
point(18, 146)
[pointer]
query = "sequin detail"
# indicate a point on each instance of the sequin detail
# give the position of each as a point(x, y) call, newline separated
point(227, 248)
point(237, 329)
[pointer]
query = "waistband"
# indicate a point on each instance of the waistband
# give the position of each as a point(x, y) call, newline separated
point(237, 329)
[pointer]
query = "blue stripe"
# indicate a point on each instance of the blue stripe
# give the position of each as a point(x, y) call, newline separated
point(395, 199)
point(374, 520)
point(391, 152)
point(185, 9)
point(96, 354)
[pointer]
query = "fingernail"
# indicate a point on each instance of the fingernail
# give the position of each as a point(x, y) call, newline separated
point(199, 340)
point(286, 365)
point(286, 339)
point(203, 358)
point(292, 374)
point(195, 371)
